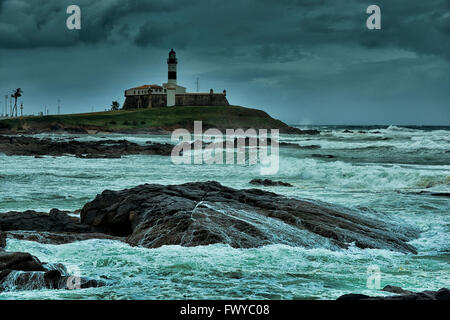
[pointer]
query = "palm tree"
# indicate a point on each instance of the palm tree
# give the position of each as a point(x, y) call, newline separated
point(16, 95)
point(115, 106)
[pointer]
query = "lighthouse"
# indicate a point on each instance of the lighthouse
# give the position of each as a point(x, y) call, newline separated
point(170, 94)
point(172, 78)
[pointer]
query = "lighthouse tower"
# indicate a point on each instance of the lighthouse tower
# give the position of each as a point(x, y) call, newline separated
point(172, 78)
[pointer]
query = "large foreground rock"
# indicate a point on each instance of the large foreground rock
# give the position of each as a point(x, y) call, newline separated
point(192, 214)
point(28, 146)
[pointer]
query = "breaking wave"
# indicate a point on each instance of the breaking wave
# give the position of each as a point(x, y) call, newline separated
point(372, 177)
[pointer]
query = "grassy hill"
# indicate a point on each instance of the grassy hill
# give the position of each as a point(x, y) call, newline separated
point(142, 120)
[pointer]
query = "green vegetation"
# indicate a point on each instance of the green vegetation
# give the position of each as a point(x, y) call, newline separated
point(141, 119)
point(5, 125)
point(115, 106)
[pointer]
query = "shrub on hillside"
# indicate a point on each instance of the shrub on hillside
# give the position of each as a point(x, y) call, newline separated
point(4, 125)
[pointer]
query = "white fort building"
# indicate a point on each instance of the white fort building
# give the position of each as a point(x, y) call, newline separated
point(170, 94)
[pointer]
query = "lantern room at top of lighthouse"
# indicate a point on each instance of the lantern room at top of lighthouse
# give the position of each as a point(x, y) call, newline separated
point(172, 57)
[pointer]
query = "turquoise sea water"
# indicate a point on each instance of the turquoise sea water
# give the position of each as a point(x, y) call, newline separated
point(379, 170)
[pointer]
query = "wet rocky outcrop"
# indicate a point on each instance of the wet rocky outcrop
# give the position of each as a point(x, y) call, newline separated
point(54, 227)
point(304, 131)
point(323, 156)
point(2, 240)
point(29, 146)
point(57, 237)
point(401, 294)
point(190, 214)
point(247, 142)
point(435, 194)
point(54, 221)
point(297, 146)
point(270, 183)
point(204, 213)
point(22, 271)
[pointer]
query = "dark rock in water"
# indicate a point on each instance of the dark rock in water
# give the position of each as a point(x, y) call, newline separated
point(323, 156)
point(347, 131)
point(270, 183)
point(294, 145)
point(22, 271)
point(434, 194)
point(55, 221)
point(442, 294)
point(237, 142)
point(19, 261)
point(311, 147)
point(440, 194)
point(56, 227)
point(52, 279)
point(204, 213)
point(293, 130)
point(244, 142)
point(28, 146)
point(397, 290)
point(55, 280)
point(58, 237)
point(352, 297)
point(35, 280)
point(2, 240)
point(310, 132)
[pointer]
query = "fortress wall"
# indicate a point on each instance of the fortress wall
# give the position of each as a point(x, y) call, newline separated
point(187, 99)
point(196, 99)
point(133, 102)
point(158, 100)
point(152, 101)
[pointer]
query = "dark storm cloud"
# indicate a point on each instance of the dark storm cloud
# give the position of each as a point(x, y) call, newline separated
point(308, 50)
point(421, 27)
point(160, 35)
point(42, 23)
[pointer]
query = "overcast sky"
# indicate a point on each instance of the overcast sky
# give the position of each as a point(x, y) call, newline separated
point(302, 61)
